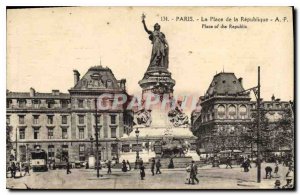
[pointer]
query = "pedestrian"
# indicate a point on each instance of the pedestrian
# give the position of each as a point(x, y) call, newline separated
point(124, 167)
point(128, 165)
point(289, 178)
point(152, 166)
point(68, 167)
point(188, 174)
point(158, 165)
point(194, 171)
point(13, 170)
point(277, 184)
point(142, 171)
point(228, 162)
point(268, 170)
point(245, 166)
point(26, 168)
point(276, 169)
point(109, 167)
point(171, 164)
point(248, 162)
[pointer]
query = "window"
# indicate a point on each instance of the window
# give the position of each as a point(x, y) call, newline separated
point(243, 112)
point(64, 133)
point(108, 84)
point(7, 119)
point(81, 119)
point(35, 119)
point(98, 118)
point(36, 103)
point(81, 152)
point(50, 119)
point(232, 112)
point(22, 133)
point(36, 133)
point(50, 133)
point(8, 103)
point(113, 132)
point(22, 103)
point(80, 103)
point(64, 104)
point(51, 103)
point(81, 133)
point(64, 119)
point(125, 148)
point(114, 150)
point(22, 119)
point(51, 152)
point(221, 111)
point(113, 119)
point(65, 152)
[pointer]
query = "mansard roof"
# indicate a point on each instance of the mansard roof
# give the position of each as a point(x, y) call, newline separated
point(225, 83)
point(98, 78)
point(37, 95)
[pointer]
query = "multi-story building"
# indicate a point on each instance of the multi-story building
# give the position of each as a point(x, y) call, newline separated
point(223, 109)
point(226, 116)
point(64, 123)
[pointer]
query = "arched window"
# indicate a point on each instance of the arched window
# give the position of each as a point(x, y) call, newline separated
point(108, 84)
point(243, 112)
point(232, 112)
point(221, 111)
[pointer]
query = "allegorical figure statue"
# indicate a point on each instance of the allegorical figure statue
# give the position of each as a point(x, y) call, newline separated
point(160, 48)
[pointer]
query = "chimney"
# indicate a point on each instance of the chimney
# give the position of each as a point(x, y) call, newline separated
point(76, 76)
point(32, 92)
point(241, 80)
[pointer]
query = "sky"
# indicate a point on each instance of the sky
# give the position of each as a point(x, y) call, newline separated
point(44, 46)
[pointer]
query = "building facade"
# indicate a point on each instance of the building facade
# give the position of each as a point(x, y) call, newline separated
point(63, 124)
point(225, 120)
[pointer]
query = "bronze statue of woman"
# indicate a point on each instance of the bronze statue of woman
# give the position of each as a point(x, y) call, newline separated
point(160, 48)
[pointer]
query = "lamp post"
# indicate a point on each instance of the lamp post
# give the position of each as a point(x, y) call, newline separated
point(92, 148)
point(97, 138)
point(256, 91)
point(137, 132)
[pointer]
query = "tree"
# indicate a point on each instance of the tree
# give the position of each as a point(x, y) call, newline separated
point(284, 131)
point(9, 145)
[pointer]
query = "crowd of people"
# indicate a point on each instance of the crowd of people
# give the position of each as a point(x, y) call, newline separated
point(15, 169)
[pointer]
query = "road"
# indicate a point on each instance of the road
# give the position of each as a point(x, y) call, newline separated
point(210, 178)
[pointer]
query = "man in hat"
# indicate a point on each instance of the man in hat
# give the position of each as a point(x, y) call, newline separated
point(277, 184)
point(152, 166)
point(289, 178)
point(158, 165)
point(194, 171)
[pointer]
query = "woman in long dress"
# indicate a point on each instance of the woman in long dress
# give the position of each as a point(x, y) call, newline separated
point(160, 49)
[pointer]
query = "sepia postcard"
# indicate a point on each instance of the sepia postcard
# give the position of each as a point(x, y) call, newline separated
point(150, 98)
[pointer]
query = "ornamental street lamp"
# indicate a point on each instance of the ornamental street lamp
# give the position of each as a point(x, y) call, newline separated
point(92, 147)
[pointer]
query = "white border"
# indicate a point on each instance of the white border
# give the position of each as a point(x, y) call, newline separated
point(4, 3)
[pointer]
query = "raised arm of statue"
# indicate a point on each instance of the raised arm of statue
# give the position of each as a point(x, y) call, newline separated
point(144, 23)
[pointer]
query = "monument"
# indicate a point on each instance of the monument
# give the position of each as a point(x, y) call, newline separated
point(160, 130)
